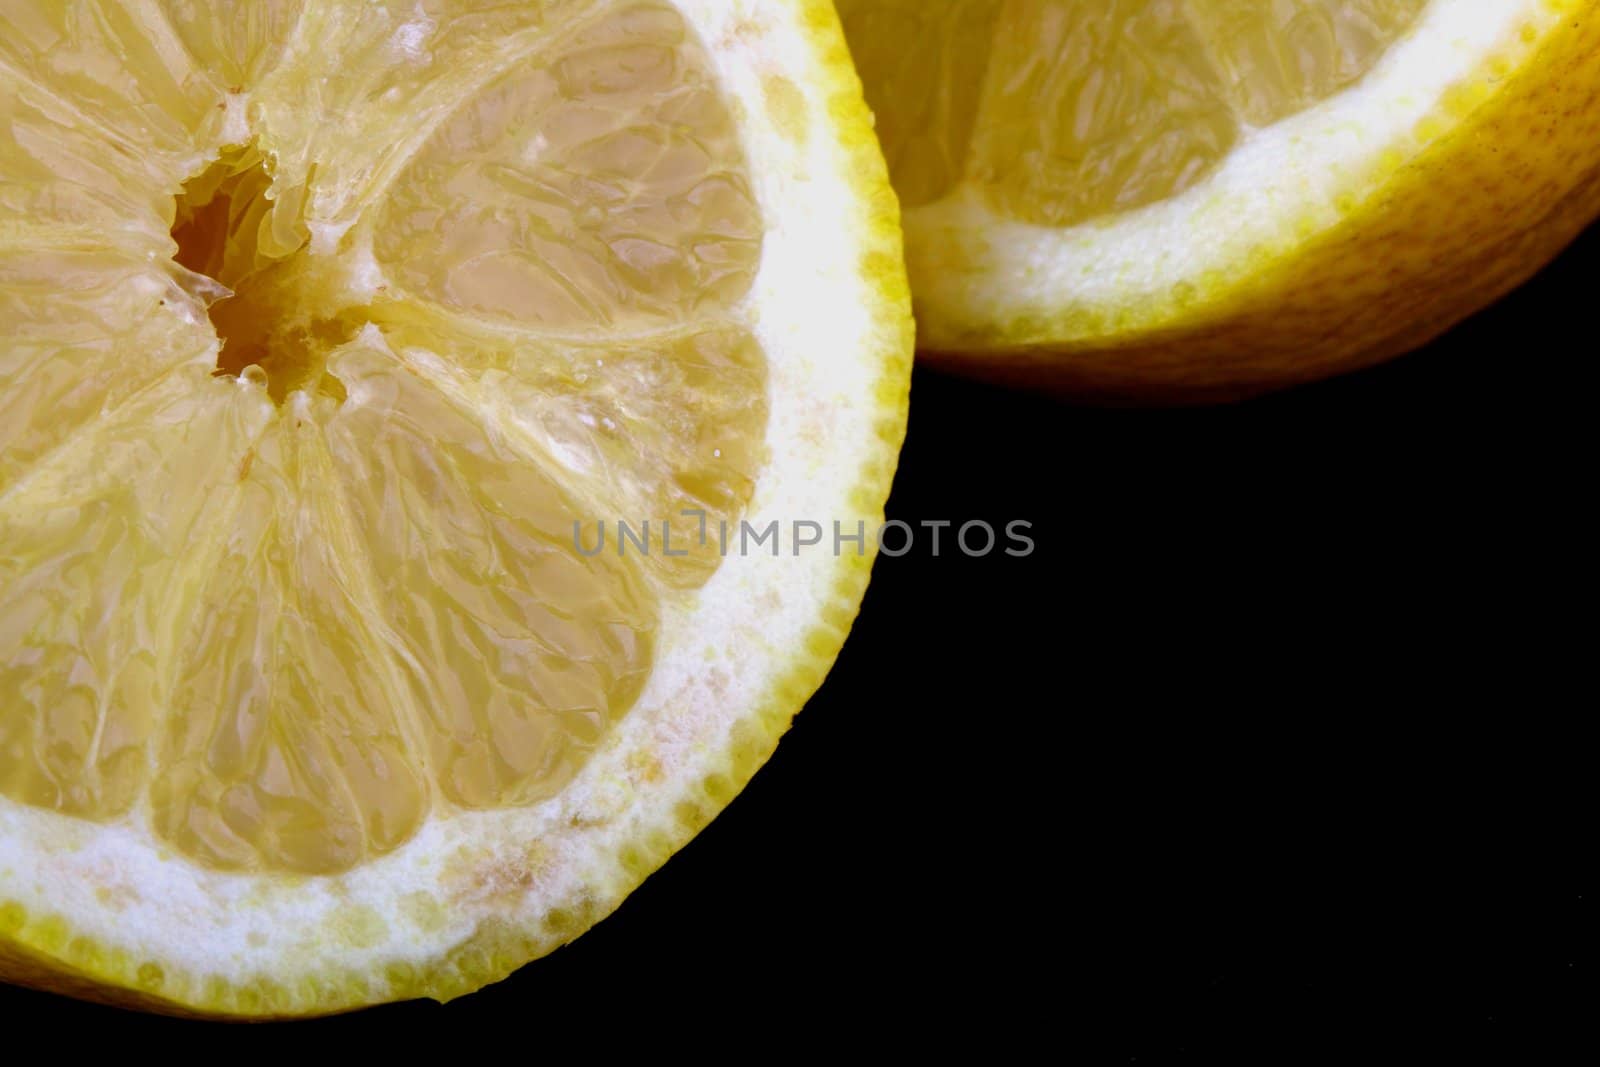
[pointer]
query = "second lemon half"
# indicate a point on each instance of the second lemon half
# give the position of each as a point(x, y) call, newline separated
point(1197, 199)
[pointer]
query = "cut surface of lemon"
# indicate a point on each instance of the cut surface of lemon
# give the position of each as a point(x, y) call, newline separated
point(381, 385)
point(1204, 198)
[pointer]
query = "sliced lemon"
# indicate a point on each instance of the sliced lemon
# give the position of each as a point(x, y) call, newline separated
point(347, 348)
point(1199, 199)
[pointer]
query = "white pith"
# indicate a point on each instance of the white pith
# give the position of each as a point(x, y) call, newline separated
point(718, 656)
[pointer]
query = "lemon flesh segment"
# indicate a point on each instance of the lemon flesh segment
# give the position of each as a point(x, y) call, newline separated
point(667, 424)
point(236, 42)
point(285, 744)
point(100, 578)
point(386, 612)
point(87, 329)
point(1062, 111)
point(120, 69)
point(359, 91)
point(57, 175)
point(605, 188)
point(1093, 108)
point(530, 649)
point(924, 67)
point(1278, 57)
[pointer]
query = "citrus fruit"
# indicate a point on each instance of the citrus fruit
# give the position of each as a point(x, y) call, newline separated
point(379, 387)
point(1200, 199)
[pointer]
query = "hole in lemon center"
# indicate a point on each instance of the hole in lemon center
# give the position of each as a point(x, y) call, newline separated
point(277, 317)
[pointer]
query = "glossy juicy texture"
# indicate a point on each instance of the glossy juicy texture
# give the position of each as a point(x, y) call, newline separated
point(602, 189)
point(478, 279)
point(1059, 111)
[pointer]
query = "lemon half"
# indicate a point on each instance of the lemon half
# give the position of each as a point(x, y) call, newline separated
point(1202, 199)
point(338, 337)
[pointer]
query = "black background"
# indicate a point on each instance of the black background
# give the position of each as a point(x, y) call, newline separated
point(1272, 748)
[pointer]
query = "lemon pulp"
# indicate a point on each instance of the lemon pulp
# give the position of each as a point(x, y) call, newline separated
point(315, 366)
point(1056, 112)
